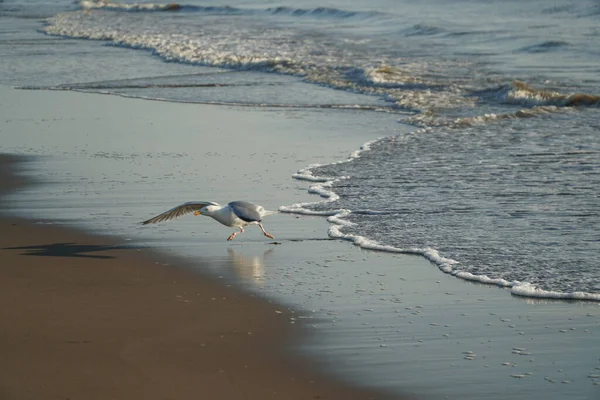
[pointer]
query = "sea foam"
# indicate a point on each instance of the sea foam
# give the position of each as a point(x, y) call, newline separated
point(338, 221)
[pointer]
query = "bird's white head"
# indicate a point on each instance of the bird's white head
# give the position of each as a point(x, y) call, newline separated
point(208, 210)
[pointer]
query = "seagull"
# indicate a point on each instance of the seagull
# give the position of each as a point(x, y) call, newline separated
point(236, 214)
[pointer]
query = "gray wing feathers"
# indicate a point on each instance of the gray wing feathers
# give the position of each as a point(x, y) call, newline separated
point(247, 211)
point(176, 212)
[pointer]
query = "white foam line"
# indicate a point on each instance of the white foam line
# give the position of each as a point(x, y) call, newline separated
point(529, 290)
point(109, 5)
point(447, 265)
point(322, 185)
point(305, 174)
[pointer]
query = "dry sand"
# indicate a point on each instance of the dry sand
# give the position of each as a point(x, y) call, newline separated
point(84, 318)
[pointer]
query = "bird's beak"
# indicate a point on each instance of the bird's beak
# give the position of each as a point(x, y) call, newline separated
point(197, 213)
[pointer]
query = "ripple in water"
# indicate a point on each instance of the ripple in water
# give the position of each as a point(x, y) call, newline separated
point(515, 200)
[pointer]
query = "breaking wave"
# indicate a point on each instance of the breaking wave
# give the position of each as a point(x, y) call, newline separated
point(418, 86)
point(286, 11)
point(521, 93)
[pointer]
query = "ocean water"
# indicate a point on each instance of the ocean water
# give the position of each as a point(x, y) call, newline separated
point(497, 182)
point(487, 162)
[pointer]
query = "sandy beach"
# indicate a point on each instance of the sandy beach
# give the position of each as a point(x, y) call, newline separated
point(86, 317)
point(165, 311)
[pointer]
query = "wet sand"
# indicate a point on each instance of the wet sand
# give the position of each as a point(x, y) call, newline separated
point(85, 317)
point(390, 321)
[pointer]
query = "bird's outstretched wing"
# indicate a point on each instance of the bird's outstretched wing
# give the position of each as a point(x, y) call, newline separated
point(247, 211)
point(178, 211)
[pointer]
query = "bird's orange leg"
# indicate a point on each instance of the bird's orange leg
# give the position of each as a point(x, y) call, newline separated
point(234, 234)
point(267, 234)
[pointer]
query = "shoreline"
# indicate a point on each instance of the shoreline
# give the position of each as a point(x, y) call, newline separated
point(94, 319)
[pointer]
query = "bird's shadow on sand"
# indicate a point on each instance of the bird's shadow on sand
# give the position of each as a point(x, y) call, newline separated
point(68, 250)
